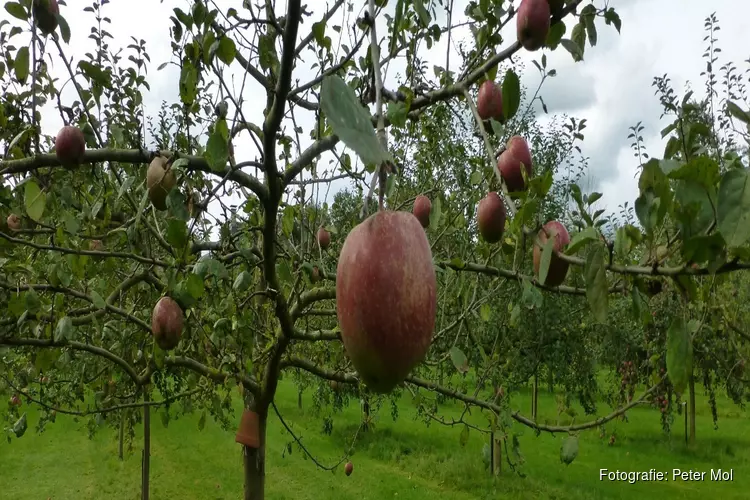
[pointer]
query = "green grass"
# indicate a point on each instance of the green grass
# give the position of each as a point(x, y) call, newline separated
point(402, 460)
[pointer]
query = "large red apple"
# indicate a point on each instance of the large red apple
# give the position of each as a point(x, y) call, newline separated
point(421, 210)
point(45, 14)
point(491, 217)
point(324, 238)
point(166, 323)
point(490, 101)
point(70, 145)
point(558, 268)
point(516, 155)
point(532, 23)
point(386, 298)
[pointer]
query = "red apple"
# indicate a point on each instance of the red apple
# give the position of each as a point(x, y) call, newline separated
point(533, 23)
point(324, 238)
point(490, 101)
point(96, 245)
point(491, 218)
point(421, 210)
point(386, 298)
point(516, 155)
point(45, 13)
point(315, 275)
point(349, 468)
point(166, 323)
point(558, 268)
point(15, 400)
point(14, 222)
point(70, 145)
point(160, 179)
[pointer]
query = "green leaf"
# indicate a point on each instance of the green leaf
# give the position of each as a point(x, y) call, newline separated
point(64, 329)
point(581, 239)
point(188, 83)
point(735, 111)
point(511, 94)
point(319, 31)
point(35, 200)
point(19, 428)
point(177, 233)
point(578, 36)
point(546, 259)
point(464, 438)
point(397, 113)
point(16, 10)
point(243, 281)
point(679, 354)
point(351, 121)
point(217, 150)
point(611, 17)
point(573, 48)
point(556, 32)
point(195, 286)
point(569, 450)
point(285, 274)
point(424, 16)
point(597, 291)
point(21, 64)
point(733, 210)
point(227, 50)
point(459, 359)
point(64, 29)
point(97, 300)
point(485, 312)
point(210, 267)
point(531, 296)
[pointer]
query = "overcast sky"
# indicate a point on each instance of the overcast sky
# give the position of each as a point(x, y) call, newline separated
point(611, 88)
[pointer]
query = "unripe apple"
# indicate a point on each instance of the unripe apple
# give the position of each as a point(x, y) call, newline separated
point(324, 238)
point(159, 180)
point(491, 218)
point(421, 210)
point(490, 101)
point(45, 14)
point(70, 146)
point(533, 23)
point(349, 468)
point(558, 268)
point(166, 323)
point(14, 222)
point(386, 298)
point(516, 156)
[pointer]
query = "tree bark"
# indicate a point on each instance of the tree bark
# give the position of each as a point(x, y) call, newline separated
point(146, 460)
point(534, 393)
point(299, 400)
point(255, 463)
point(691, 410)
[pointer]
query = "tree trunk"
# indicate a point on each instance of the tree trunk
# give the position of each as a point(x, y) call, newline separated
point(146, 460)
point(365, 413)
point(691, 410)
point(255, 463)
point(122, 435)
point(534, 393)
point(497, 456)
point(550, 380)
point(299, 400)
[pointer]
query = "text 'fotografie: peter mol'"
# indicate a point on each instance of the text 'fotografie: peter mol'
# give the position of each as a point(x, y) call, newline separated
point(673, 475)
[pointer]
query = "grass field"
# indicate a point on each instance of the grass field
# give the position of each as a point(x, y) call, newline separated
point(402, 460)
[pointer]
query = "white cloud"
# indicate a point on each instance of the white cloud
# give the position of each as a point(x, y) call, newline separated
point(611, 88)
